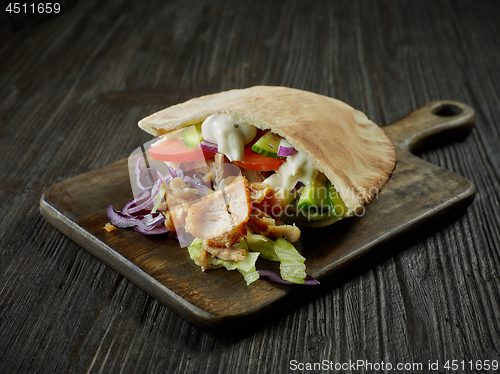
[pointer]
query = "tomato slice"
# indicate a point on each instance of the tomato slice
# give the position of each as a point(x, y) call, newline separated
point(174, 150)
point(255, 161)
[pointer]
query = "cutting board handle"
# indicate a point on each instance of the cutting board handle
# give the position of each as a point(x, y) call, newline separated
point(434, 118)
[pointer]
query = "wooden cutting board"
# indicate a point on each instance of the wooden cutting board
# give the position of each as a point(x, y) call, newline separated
point(416, 192)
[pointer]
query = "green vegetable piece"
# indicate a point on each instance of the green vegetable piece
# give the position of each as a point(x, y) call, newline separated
point(195, 250)
point(245, 267)
point(192, 136)
point(250, 276)
point(313, 198)
point(262, 244)
point(268, 145)
point(160, 198)
point(292, 266)
point(335, 202)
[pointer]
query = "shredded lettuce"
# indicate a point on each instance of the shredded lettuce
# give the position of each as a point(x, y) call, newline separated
point(245, 267)
point(292, 267)
point(248, 269)
point(160, 198)
point(262, 244)
point(242, 245)
point(195, 251)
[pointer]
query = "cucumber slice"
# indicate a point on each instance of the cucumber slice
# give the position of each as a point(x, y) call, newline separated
point(268, 145)
point(313, 198)
point(192, 136)
point(335, 202)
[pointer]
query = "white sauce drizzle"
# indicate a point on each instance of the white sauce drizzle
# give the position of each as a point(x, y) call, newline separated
point(230, 135)
point(296, 168)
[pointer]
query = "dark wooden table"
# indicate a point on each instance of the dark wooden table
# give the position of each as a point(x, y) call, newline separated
point(71, 93)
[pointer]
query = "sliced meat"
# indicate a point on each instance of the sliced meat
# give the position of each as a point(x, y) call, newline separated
point(206, 171)
point(179, 197)
point(258, 192)
point(262, 223)
point(227, 239)
point(178, 215)
point(253, 176)
point(202, 261)
point(267, 199)
point(218, 168)
point(222, 169)
point(289, 232)
point(208, 252)
point(228, 254)
point(178, 192)
point(169, 223)
point(221, 217)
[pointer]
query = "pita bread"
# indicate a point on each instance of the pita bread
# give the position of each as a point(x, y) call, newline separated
point(340, 141)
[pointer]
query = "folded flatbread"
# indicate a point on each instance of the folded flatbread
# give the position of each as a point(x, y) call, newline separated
point(340, 141)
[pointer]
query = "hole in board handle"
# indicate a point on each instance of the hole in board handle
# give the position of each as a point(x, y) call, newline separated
point(446, 110)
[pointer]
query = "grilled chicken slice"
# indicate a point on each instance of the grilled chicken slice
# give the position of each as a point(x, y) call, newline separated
point(178, 192)
point(222, 169)
point(169, 223)
point(220, 218)
point(253, 176)
point(262, 223)
point(267, 199)
point(229, 254)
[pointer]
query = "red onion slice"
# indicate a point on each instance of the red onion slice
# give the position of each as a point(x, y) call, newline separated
point(158, 230)
point(145, 182)
point(175, 173)
point(286, 149)
point(275, 277)
point(150, 221)
point(147, 204)
point(144, 195)
point(172, 172)
point(208, 146)
point(197, 184)
point(297, 186)
point(119, 219)
point(147, 222)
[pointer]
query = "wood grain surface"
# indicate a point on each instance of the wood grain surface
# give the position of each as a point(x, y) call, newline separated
point(71, 93)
